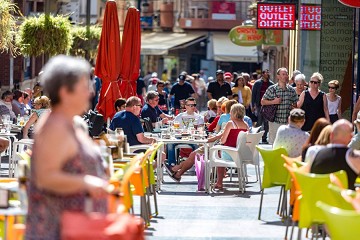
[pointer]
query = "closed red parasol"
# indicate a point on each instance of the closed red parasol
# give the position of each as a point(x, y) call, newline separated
point(108, 61)
point(130, 53)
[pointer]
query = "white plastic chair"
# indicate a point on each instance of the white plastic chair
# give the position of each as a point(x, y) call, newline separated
point(250, 155)
point(18, 147)
point(216, 161)
point(143, 147)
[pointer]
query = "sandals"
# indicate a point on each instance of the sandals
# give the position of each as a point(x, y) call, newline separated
point(173, 177)
point(169, 170)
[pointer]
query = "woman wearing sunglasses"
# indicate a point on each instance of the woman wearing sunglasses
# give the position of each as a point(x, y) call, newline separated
point(334, 101)
point(313, 101)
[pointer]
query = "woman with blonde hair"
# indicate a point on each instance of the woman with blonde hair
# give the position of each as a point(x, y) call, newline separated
point(334, 101)
point(41, 105)
point(229, 137)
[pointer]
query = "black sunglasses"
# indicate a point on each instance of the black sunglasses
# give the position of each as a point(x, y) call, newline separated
point(332, 87)
point(314, 82)
point(191, 105)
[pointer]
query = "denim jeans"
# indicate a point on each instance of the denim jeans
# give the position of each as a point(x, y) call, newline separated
point(171, 152)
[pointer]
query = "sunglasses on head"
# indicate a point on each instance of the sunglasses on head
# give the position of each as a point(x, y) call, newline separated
point(314, 82)
point(191, 105)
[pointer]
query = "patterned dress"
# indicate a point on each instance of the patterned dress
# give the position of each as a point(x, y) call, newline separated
point(46, 207)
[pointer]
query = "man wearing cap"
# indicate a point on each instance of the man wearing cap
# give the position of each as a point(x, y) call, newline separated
point(181, 90)
point(229, 78)
point(290, 136)
point(152, 84)
point(258, 90)
point(355, 141)
point(220, 88)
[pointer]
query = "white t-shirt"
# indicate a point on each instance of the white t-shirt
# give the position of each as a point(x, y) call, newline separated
point(184, 119)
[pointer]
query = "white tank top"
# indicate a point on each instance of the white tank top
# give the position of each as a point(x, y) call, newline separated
point(333, 106)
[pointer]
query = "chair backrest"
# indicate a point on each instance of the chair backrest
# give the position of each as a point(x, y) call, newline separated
point(240, 143)
point(255, 130)
point(249, 152)
point(148, 125)
point(314, 187)
point(274, 172)
point(241, 140)
point(342, 224)
point(338, 196)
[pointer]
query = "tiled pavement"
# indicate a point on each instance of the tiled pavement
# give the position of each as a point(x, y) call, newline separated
point(185, 213)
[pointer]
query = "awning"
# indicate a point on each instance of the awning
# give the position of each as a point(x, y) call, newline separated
point(156, 43)
point(226, 51)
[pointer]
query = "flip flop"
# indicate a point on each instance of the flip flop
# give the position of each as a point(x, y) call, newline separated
point(173, 177)
point(169, 170)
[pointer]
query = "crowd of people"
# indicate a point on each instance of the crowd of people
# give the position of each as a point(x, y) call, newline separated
point(307, 122)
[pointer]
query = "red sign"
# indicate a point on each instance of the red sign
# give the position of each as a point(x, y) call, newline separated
point(310, 17)
point(351, 3)
point(223, 10)
point(276, 16)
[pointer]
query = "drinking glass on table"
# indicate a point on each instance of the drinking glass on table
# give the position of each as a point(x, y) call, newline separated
point(176, 124)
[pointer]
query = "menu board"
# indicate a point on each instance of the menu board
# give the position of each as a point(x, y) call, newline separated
point(276, 16)
point(310, 17)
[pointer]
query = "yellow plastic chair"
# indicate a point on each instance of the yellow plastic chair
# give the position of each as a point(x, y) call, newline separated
point(15, 228)
point(338, 194)
point(314, 187)
point(274, 175)
point(342, 224)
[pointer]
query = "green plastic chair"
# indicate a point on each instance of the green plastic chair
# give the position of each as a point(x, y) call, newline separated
point(314, 187)
point(274, 175)
point(341, 223)
point(340, 202)
point(152, 180)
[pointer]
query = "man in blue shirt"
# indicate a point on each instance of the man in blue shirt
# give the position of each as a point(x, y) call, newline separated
point(151, 109)
point(182, 90)
point(130, 123)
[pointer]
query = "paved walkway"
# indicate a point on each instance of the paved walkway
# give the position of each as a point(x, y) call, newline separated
point(185, 213)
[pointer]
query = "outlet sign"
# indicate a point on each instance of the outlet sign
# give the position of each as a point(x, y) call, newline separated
point(276, 16)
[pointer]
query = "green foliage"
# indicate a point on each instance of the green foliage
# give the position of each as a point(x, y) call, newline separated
point(45, 34)
point(8, 26)
point(84, 41)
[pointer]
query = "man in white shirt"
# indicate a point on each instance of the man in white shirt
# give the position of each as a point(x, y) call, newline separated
point(185, 119)
point(190, 116)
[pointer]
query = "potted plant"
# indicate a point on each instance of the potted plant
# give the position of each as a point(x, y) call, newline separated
point(8, 26)
point(85, 43)
point(45, 34)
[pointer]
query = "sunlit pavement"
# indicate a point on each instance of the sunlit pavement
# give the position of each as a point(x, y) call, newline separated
point(185, 213)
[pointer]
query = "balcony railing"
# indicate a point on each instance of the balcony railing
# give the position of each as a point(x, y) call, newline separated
point(220, 10)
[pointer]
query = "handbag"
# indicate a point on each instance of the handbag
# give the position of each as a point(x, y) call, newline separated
point(76, 225)
point(268, 112)
point(200, 171)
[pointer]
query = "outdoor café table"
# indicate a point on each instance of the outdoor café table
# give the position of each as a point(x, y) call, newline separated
point(183, 141)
